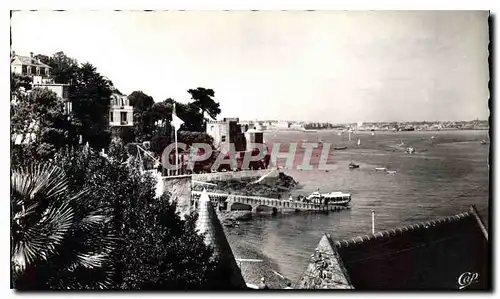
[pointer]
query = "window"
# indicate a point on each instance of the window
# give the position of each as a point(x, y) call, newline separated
point(223, 138)
point(38, 71)
point(24, 70)
point(111, 116)
point(65, 92)
point(33, 70)
point(123, 117)
point(47, 72)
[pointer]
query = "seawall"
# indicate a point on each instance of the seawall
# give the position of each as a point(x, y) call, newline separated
point(234, 175)
point(180, 190)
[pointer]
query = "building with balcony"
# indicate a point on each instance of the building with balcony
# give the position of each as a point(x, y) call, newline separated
point(121, 113)
point(28, 66)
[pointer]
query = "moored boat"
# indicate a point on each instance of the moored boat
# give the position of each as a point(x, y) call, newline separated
point(332, 198)
point(410, 150)
point(353, 165)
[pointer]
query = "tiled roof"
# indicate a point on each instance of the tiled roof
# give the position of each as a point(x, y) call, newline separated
point(208, 223)
point(430, 255)
point(400, 231)
point(25, 60)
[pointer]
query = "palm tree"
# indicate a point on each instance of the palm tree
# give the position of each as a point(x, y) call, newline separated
point(58, 239)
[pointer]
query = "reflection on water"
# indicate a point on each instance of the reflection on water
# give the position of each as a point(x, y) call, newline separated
point(443, 177)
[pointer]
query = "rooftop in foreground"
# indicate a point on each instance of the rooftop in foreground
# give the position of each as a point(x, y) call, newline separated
point(431, 255)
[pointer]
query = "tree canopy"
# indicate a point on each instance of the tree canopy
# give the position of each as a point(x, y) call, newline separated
point(63, 67)
point(156, 249)
point(40, 119)
point(140, 101)
point(84, 220)
point(144, 120)
point(203, 98)
point(90, 93)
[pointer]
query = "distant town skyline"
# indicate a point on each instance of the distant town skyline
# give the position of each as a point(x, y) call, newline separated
point(330, 66)
point(364, 122)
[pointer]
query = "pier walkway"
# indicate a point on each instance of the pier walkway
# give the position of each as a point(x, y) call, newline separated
point(257, 201)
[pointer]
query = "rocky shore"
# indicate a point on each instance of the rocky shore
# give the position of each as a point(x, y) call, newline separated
point(267, 188)
point(225, 216)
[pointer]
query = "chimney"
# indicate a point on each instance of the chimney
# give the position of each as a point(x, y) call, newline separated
point(32, 59)
point(13, 53)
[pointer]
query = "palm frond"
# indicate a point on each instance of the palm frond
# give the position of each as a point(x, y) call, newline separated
point(41, 240)
point(42, 216)
point(62, 236)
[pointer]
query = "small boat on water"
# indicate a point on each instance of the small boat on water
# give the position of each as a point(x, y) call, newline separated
point(353, 165)
point(340, 148)
point(483, 142)
point(391, 171)
point(433, 137)
point(381, 169)
point(333, 198)
point(373, 133)
point(410, 150)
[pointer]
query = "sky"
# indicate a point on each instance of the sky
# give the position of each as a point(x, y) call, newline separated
point(324, 66)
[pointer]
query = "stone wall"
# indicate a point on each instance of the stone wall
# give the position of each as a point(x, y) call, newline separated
point(179, 188)
point(234, 175)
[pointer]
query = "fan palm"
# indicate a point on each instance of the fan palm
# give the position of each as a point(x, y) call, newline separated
point(59, 240)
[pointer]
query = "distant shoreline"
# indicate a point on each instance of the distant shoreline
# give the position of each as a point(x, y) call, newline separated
point(369, 131)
